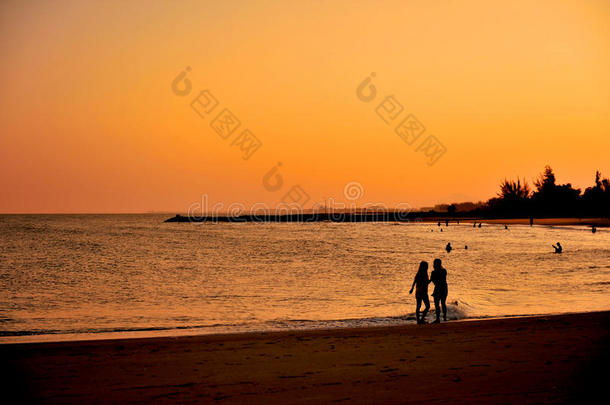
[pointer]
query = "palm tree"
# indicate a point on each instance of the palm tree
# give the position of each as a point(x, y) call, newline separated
point(514, 190)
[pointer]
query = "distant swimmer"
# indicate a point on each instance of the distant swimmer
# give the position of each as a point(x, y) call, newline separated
point(466, 247)
point(558, 248)
point(448, 248)
point(593, 229)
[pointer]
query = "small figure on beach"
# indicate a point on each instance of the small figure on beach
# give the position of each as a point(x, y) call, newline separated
point(439, 278)
point(474, 224)
point(531, 221)
point(448, 248)
point(439, 223)
point(466, 247)
point(420, 282)
point(480, 224)
point(505, 226)
point(446, 222)
point(593, 229)
point(441, 229)
point(558, 248)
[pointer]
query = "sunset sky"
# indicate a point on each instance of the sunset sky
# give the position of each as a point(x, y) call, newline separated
point(89, 121)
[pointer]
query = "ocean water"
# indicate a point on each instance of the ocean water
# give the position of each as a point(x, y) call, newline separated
point(97, 276)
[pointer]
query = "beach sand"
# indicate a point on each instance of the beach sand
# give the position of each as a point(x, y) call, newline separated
point(598, 222)
point(546, 359)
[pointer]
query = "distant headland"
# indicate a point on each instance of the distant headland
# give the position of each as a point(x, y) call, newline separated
point(550, 203)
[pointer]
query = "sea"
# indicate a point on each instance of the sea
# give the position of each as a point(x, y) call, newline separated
point(75, 277)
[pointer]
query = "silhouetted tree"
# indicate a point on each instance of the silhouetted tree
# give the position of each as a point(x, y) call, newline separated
point(551, 199)
point(596, 199)
point(512, 200)
point(545, 181)
point(514, 190)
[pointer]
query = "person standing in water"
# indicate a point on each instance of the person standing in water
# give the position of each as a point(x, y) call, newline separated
point(420, 282)
point(448, 248)
point(558, 248)
point(439, 278)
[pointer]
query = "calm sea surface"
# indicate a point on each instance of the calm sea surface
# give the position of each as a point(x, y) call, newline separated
point(83, 276)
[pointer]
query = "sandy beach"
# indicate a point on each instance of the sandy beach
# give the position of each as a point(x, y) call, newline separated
point(545, 359)
point(598, 222)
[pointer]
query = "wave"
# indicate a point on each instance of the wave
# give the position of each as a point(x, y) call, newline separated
point(454, 312)
point(105, 330)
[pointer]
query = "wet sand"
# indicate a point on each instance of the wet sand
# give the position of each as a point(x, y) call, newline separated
point(546, 359)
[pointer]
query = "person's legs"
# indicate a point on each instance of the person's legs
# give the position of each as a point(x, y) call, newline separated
point(427, 304)
point(437, 309)
point(418, 306)
point(444, 303)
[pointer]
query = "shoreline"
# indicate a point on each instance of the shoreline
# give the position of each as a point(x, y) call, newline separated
point(587, 222)
point(537, 359)
point(181, 332)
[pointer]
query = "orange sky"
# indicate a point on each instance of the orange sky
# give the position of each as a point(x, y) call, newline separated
point(89, 122)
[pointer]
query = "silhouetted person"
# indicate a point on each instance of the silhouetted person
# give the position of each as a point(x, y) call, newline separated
point(480, 224)
point(558, 248)
point(439, 223)
point(439, 278)
point(458, 221)
point(593, 229)
point(531, 221)
point(505, 226)
point(420, 282)
point(474, 224)
point(466, 247)
point(441, 229)
point(446, 222)
point(448, 248)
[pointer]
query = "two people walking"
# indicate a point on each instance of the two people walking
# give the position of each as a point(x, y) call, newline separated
point(420, 283)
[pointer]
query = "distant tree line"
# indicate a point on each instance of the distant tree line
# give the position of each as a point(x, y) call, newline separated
point(549, 199)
